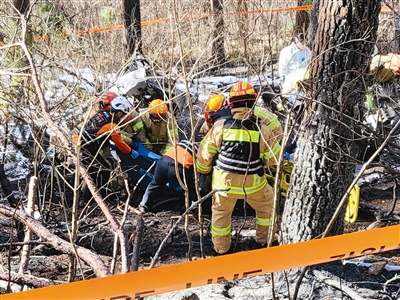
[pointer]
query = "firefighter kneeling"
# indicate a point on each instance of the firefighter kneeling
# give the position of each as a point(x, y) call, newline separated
point(242, 145)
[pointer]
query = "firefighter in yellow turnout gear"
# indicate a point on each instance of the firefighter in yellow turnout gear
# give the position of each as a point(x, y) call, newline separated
point(242, 145)
point(158, 129)
point(218, 108)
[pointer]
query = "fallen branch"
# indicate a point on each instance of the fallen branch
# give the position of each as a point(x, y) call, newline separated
point(338, 285)
point(34, 281)
point(388, 268)
point(91, 258)
point(28, 233)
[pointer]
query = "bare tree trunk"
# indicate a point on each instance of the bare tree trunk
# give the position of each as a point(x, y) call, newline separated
point(136, 244)
point(326, 146)
point(302, 21)
point(243, 18)
point(133, 29)
point(21, 5)
point(397, 30)
point(218, 50)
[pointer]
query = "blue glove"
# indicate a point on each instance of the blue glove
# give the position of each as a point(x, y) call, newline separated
point(134, 154)
point(287, 156)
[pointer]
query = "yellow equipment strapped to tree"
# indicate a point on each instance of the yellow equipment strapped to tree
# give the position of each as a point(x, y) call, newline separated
point(354, 197)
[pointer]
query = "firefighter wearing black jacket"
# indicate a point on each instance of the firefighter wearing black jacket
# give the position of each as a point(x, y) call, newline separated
point(96, 133)
point(242, 145)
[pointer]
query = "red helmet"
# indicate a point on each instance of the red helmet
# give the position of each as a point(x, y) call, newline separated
point(242, 92)
point(214, 103)
point(105, 100)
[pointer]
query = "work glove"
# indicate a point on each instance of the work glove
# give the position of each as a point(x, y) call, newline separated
point(205, 183)
point(134, 154)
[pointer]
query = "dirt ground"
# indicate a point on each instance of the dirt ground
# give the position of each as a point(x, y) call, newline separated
point(95, 234)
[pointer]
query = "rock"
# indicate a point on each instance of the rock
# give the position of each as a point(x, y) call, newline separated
point(377, 268)
point(192, 296)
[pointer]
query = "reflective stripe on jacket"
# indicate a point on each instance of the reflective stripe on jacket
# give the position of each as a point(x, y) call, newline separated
point(210, 147)
point(159, 133)
point(240, 150)
point(272, 122)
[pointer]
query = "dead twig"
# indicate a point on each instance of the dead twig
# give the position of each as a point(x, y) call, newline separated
point(28, 233)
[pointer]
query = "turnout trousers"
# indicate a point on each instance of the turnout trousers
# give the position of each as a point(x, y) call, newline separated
point(223, 205)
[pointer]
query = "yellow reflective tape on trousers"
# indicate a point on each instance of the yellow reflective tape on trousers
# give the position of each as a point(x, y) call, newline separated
point(195, 273)
point(263, 221)
point(259, 184)
point(240, 135)
point(221, 231)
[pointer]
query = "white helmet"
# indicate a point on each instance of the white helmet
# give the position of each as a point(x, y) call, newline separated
point(120, 103)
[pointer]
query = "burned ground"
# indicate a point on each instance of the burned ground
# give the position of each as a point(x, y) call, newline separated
point(377, 200)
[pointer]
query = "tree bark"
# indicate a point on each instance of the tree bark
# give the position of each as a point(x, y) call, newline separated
point(133, 29)
point(218, 50)
point(136, 244)
point(326, 147)
point(397, 30)
point(21, 5)
point(302, 21)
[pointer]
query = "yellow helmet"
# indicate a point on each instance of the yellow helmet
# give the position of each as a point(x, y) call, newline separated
point(214, 103)
point(158, 107)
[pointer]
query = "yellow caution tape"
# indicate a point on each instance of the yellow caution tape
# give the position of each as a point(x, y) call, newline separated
point(222, 268)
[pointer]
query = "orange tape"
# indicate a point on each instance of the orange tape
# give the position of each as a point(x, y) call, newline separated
point(150, 22)
point(222, 268)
